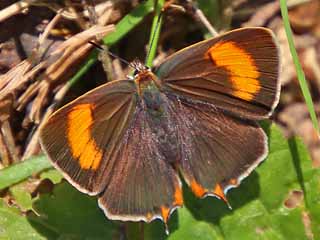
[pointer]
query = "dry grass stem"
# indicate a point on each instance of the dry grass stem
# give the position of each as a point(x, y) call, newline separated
point(202, 18)
point(15, 9)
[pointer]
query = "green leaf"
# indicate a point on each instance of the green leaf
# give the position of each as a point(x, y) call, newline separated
point(15, 226)
point(182, 225)
point(20, 171)
point(22, 196)
point(130, 21)
point(70, 214)
point(53, 175)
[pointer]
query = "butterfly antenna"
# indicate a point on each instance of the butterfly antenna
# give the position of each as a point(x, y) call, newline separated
point(154, 34)
point(99, 47)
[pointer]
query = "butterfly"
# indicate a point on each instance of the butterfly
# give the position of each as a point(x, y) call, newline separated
point(127, 141)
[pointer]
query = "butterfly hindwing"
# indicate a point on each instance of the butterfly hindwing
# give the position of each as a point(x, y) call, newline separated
point(217, 149)
point(237, 71)
point(142, 184)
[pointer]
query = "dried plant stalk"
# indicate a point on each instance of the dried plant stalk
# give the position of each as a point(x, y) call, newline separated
point(19, 7)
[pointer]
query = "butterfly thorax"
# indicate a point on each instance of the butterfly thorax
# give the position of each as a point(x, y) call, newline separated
point(145, 81)
point(148, 92)
point(156, 107)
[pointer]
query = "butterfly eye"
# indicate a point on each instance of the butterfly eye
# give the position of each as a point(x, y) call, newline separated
point(139, 67)
point(136, 72)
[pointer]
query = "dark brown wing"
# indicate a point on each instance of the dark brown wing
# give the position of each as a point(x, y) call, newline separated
point(237, 71)
point(217, 149)
point(104, 143)
point(80, 137)
point(141, 185)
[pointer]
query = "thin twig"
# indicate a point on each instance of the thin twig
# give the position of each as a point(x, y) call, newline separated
point(20, 6)
point(6, 130)
point(15, 9)
point(6, 148)
point(294, 3)
point(4, 153)
point(206, 23)
point(198, 12)
point(49, 27)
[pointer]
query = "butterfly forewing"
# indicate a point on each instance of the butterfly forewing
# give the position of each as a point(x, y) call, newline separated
point(80, 137)
point(237, 71)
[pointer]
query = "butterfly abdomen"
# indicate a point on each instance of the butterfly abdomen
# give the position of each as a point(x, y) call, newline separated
point(154, 103)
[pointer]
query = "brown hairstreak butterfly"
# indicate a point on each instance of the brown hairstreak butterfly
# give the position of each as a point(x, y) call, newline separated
point(127, 141)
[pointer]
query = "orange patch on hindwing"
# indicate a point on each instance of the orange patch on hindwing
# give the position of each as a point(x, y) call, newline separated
point(234, 182)
point(218, 191)
point(197, 189)
point(165, 212)
point(82, 144)
point(244, 72)
point(178, 198)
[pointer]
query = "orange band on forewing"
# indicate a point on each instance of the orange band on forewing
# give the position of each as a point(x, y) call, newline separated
point(83, 146)
point(242, 67)
point(197, 189)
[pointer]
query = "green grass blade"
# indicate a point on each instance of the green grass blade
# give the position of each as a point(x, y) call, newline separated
point(301, 77)
point(121, 29)
point(129, 22)
point(22, 170)
point(155, 33)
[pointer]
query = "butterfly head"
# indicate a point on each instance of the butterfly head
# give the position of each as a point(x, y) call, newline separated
point(139, 67)
point(143, 77)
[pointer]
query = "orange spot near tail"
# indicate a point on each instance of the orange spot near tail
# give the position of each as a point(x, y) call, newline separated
point(197, 189)
point(218, 191)
point(165, 212)
point(233, 182)
point(149, 216)
point(178, 197)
